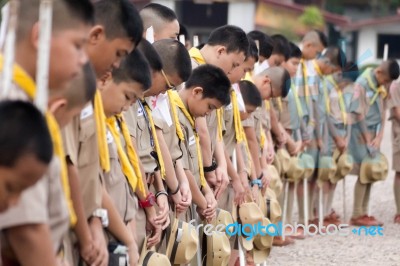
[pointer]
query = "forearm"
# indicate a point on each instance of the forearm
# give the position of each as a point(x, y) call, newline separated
point(32, 244)
point(158, 183)
point(205, 142)
point(81, 228)
point(170, 178)
point(220, 154)
point(230, 168)
point(197, 197)
point(274, 123)
point(116, 225)
point(254, 149)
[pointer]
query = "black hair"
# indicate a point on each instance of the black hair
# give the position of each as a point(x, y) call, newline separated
point(295, 51)
point(23, 130)
point(253, 50)
point(165, 13)
point(151, 55)
point(232, 37)
point(81, 9)
point(175, 58)
point(322, 38)
point(281, 45)
point(214, 82)
point(134, 68)
point(90, 81)
point(286, 83)
point(183, 31)
point(393, 69)
point(350, 71)
point(250, 93)
point(120, 19)
point(265, 42)
point(335, 55)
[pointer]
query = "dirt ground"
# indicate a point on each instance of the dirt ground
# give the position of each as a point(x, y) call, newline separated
point(351, 249)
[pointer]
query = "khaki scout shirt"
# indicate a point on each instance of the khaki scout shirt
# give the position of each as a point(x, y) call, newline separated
point(80, 141)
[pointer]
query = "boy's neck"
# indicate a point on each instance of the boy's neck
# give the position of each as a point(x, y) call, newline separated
point(26, 59)
point(206, 52)
point(184, 95)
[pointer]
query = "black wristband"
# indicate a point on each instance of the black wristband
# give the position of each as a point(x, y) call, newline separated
point(162, 192)
point(177, 190)
point(211, 168)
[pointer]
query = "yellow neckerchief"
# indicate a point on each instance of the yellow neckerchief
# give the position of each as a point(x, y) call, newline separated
point(198, 57)
point(101, 132)
point(341, 99)
point(59, 152)
point(176, 101)
point(219, 123)
point(156, 143)
point(279, 102)
point(296, 100)
point(132, 155)
point(267, 105)
point(249, 77)
point(377, 90)
point(236, 117)
point(263, 137)
point(305, 79)
point(127, 168)
point(21, 79)
point(324, 88)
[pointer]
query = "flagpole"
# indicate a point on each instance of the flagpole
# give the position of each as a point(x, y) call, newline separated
point(43, 61)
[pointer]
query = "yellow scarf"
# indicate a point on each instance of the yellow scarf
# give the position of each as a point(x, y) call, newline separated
point(341, 99)
point(297, 100)
point(279, 102)
point(324, 88)
point(155, 138)
point(21, 79)
point(59, 152)
point(380, 90)
point(305, 80)
point(198, 57)
point(236, 117)
point(267, 105)
point(127, 168)
point(176, 101)
point(101, 132)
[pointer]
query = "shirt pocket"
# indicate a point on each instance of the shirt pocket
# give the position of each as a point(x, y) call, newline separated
point(143, 134)
point(88, 146)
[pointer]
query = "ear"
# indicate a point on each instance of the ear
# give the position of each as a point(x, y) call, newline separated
point(266, 80)
point(35, 35)
point(96, 34)
point(197, 91)
point(221, 49)
point(57, 105)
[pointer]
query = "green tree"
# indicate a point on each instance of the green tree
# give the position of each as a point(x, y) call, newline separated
point(312, 17)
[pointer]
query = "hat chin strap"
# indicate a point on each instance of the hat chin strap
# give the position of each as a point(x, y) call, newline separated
point(178, 238)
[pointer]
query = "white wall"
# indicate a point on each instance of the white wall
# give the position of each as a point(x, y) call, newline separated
point(242, 14)
point(368, 40)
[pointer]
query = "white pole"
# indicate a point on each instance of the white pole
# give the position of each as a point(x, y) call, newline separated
point(385, 52)
point(344, 199)
point(42, 75)
point(305, 187)
point(195, 41)
point(182, 39)
point(9, 49)
point(285, 203)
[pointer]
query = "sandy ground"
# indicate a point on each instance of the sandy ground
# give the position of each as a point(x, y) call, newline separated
point(351, 249)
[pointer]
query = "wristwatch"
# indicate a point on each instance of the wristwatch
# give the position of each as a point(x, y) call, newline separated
point(103, 215)
point(148, 202)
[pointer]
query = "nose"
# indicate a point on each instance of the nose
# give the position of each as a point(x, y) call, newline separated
point(14, 199)
point(117, 63)
point(83, 58)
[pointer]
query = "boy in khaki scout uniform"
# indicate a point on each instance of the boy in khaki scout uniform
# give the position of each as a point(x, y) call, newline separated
point(151, 145)
point(125, 85)
point(24, 161)
point(339, 125)
point(368, 108)
point(394, 108)
point(306, 87)
point(226, 48)
point(207, 89)
point(34, 227)
point(331, 61)
point(116, 32)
